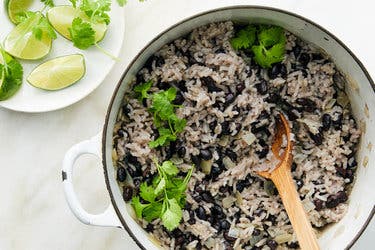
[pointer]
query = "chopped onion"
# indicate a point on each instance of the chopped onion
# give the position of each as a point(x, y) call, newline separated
point(228, 163)
point(228, 201)
point(249, 138)
point(282, 238)
point(224, 141)
point(234, 232)
point(206, 166)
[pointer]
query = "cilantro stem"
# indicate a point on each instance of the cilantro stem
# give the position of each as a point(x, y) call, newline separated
point(107, 53)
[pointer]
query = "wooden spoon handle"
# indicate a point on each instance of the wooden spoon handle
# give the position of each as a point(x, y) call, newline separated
point(284, 183)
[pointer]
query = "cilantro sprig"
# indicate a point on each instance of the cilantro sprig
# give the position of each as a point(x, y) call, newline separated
point(164, 198)
point(48, 3)
point(266, 42)
point(41, 27)
point(163, 110)
point(11, 73)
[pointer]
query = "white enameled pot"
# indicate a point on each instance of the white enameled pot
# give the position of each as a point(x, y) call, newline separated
point(361, 91)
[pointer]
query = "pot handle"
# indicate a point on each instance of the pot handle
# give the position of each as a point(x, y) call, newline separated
point(108, 218)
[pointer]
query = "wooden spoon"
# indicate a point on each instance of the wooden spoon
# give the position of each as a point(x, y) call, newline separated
point(282, 178)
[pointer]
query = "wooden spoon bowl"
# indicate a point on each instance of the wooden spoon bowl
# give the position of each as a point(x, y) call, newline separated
point(282, 178)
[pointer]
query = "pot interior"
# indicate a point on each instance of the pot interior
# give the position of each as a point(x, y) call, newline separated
point(360, 91)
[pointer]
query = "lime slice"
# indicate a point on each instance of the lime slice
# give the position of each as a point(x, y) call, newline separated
point(61, 18)
point(15, 7)
point(58, 73)
point(21, 42)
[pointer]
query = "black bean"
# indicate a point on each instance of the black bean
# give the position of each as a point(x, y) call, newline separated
point(220, 50)
point(337, 124)
point(191, 220)
point(262, 87)
point(181, 152)
point(274, 71)
point(216, 171)
point(228, 238)
point(240, 87)
point(304, 59)
point(350, 175)
point(229, 98)
point(308, 105)
point(238, 128)
point(205, 154)
point(197, 197)
point(210, 84)
point(223, 189)
point(225, 128)
point(294, 166)
point(326, 122)
point(182, 86)
point(274, 98)
point(237, 216)
point(137, 182)
point(179, 241)
point(240, 186)
point(121, 174)
point(263, 153)
point(179, 99)
point(201, 213)
point(293, 245)
point(195, 159)
point(296, 50)
point(207, 197)
point(163, 85)
point(317, 56)
point(318, 204)
point(334, 200)
point(149, 227)
point(127, 193)
point(224, 224)
point(159, 61)
point(283, 71)
point(272, 244)
point(212, 125)
point(341, 171)
point(256, 232)
point(317, 138)
point(299, 183)
point(217, 212)
point(198, 189)
point(122, 133)
point(272, 218)
point(352, 163)
point(231, 154)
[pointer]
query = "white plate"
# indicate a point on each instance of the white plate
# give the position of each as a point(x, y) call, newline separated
point(98, 65)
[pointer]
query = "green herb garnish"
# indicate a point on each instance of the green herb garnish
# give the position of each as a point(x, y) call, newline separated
point(142, 89)
point(11, 73)
point(266, 42)
point(164, 198)
point(163, 110)
point(48, 3)
point(41, 27)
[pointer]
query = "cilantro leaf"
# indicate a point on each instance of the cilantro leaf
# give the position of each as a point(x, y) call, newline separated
point(165, 136)
point(38, 24)
point(244, 39)
point(138, 206)
point(147, 192)
point(153, 211)
point(82, 34)
point(172, 215)
point(122, 2)
point(169, 168)
point(11, 74)
point(179, 125)
point(48, 3)
point(266, 42)
point(142, 89)
point(271, 36)
point(97, 10)
point(160, 187)
point(161, 103)
point(74, 3)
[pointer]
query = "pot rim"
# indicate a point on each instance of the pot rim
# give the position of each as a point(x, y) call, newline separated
point(260, 7)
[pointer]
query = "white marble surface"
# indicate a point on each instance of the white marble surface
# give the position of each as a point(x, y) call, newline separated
point(33, 211)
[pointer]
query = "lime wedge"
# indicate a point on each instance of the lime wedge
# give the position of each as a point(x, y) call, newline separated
point(61, 18)
point(21, 42)
point(58, 73)
point(15, 7)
